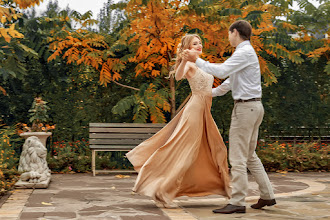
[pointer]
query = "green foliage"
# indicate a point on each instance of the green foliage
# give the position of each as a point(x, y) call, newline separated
point(221, 111)
point(254, 17)
point(124, 105)
point(69, 157)
point(9, 148)
point(316, 19)
point(38, 112)
point(66, 157)
point(300, 157)
point(148, 104)
point(111, 17)
point(79, 101)
point(12, 56)
point(327, 68)
point(299, 99)
point(229, 11)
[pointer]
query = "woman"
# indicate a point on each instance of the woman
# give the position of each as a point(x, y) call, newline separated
point(187, 157)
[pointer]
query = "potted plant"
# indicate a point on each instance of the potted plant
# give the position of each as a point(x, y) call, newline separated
point(38, 116)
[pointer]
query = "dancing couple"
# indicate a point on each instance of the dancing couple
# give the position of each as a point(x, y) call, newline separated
point(188, 156)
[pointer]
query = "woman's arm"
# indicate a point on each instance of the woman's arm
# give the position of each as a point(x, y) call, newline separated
point(185, 69)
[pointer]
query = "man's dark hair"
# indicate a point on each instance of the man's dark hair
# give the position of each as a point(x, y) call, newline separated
point(243, 27)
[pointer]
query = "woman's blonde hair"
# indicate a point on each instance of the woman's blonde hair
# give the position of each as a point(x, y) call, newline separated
point(184, 44)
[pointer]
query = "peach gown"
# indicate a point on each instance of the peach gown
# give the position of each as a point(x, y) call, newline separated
point(187, 157)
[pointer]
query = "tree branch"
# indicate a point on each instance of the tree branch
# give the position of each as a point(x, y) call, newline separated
point(130, 87)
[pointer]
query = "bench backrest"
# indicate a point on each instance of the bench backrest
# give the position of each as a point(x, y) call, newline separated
point(120, 136)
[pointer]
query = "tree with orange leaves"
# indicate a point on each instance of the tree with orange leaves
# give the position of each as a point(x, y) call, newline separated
point(155, 29)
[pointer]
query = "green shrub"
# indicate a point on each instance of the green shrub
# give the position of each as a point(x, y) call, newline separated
point(75, 156)
point(299, 157)
point(9, 142)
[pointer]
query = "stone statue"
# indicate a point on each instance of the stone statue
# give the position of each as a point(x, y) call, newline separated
point(33, 165)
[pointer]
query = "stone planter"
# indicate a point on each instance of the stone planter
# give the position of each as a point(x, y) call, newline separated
point(41, 135)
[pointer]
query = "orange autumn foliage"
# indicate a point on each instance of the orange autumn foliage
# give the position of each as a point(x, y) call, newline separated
point(9, 16)
point(155, 30)
point(88, 48)
point(158, 27)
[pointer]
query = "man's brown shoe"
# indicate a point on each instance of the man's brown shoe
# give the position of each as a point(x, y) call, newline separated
point(263, 202)
point(229, 209)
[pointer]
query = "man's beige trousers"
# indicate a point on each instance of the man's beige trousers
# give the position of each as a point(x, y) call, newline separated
point(243, 135)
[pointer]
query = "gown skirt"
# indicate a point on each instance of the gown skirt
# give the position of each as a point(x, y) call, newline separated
point(187, 157)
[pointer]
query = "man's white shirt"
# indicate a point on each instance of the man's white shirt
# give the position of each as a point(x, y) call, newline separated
point(243, 71)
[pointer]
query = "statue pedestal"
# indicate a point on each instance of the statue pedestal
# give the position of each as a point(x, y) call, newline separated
point(26, 185)
point(41, 135)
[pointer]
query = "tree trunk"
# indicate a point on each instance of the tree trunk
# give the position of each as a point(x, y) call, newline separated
point(183, 103)
point(172, 87)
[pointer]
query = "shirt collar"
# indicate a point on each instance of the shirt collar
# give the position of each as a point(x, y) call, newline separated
point(247, 42)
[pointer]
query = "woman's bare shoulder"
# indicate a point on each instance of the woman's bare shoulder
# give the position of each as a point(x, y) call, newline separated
point(191, 70)
point(192, 65)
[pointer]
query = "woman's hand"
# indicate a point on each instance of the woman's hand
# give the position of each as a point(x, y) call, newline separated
point(190, 55)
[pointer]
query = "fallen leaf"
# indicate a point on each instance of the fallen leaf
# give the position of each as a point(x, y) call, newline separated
point(120, 176)
point(113, 187)
point(46, 203)
point(282, 171)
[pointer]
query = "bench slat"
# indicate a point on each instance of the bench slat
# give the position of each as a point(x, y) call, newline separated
point(116, 141)
point(126, 125)
point(124, 130)
point(110, 136)
point(115, 171)
point(111, 147)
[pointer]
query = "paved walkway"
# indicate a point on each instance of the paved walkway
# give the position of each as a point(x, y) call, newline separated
point(107, 197)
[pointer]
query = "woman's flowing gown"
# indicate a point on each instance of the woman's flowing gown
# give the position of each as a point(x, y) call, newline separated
point(187, 157)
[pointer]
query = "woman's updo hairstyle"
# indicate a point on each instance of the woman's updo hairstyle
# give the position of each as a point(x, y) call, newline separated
point(183, 45)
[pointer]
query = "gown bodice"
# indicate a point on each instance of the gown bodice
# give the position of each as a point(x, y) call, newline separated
point(201, 83)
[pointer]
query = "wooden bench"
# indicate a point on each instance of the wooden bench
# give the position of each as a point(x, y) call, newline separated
point(118, 137)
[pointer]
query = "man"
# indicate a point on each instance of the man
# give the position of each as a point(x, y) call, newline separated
point(244, 80)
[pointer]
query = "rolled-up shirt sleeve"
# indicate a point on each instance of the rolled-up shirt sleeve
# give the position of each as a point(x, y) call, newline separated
point(235, 63)
point(222, 89)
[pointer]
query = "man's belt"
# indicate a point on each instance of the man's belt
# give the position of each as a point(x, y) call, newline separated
point(248, 100)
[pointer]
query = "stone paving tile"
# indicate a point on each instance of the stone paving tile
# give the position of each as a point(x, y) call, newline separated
point(145, 217)
point(31, 215)
point(63, 215)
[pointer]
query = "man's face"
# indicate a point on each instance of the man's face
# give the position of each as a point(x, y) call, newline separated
point(232, 37)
